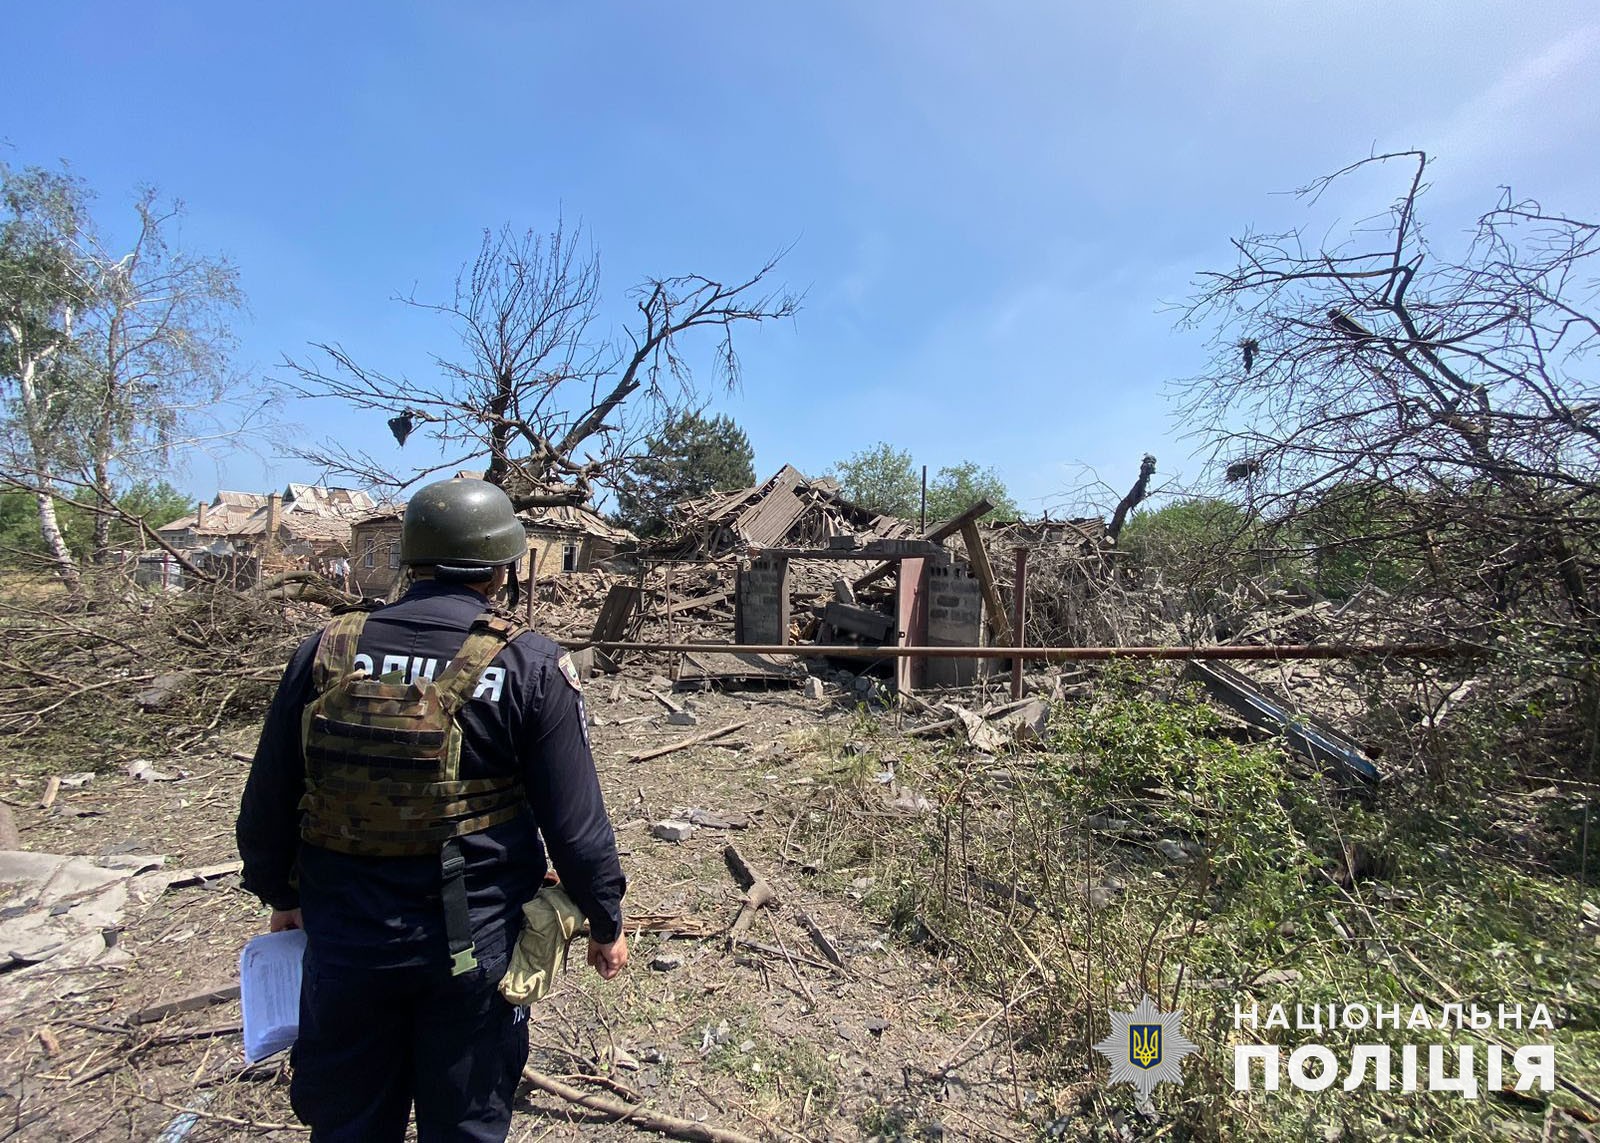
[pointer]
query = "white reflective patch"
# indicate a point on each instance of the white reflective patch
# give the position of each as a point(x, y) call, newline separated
point(490, 684)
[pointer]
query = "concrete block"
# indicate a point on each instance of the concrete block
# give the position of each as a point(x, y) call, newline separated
point(672, 830)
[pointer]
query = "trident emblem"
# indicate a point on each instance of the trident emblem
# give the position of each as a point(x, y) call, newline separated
point(1144, 1045)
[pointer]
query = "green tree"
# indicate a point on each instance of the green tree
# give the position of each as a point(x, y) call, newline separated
point(44, 290)
point(1359, 533)
point(689, 456)
point(881, 479)
point(156, 502)
point(110, 359)
point(957, 486)
point(1185, 530)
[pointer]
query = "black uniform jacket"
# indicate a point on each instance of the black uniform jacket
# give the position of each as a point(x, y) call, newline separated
point(524, 717)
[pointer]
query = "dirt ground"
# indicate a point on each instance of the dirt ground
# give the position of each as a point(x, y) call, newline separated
point(773, 1042)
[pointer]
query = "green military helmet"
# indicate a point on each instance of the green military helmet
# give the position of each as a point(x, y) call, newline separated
point(461, 523)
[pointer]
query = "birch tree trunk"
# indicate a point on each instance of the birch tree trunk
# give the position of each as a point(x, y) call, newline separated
point(35, 415)
point(55, 542)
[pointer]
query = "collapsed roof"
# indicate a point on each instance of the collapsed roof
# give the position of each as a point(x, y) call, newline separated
point(569, 518)
point(313, 513)
point(789, 509)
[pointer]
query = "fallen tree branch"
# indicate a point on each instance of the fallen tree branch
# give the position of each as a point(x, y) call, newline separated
point(655, 1121)
point(685, 743)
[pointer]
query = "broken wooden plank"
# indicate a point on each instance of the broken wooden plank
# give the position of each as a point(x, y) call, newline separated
point(200, 874)
point(188, 1004)
point(936, 534)
point(52, 788)
point(819, 938)
point(616, 612)
point(946, 725)
point(978, 557)
point(685, 743)
point(709, 600)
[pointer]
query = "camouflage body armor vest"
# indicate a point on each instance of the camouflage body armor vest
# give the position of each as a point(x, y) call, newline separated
point(382, 762)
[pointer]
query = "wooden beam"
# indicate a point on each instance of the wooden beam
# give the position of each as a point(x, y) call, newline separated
point(978, 557)
point(936, 535)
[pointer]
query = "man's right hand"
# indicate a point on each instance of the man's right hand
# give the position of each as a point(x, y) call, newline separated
point(608, 959)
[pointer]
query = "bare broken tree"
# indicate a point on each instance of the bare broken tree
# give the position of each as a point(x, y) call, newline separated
point(550, 406)
point(157, 346)
point(1440, 408)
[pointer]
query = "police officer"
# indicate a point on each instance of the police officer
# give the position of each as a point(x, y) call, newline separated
point(411, 900)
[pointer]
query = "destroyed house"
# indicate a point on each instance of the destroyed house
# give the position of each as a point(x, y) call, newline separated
point(249, 535)
point(562, 540)
point(788, 510)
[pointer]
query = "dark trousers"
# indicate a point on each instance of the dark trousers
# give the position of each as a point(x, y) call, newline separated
point(373, 1042)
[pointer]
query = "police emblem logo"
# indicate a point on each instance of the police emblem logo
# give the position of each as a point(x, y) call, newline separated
point(569, 671)
point(1145, 1048)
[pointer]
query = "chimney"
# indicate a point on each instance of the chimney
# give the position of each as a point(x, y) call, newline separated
point(199, 515)
point(274, 522)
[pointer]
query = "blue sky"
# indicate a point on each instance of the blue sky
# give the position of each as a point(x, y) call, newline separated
point(991, 205)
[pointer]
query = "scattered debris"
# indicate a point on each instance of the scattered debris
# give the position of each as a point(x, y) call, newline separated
point(62, 910)
point(672, 830)
point(705, 819)
point(162, 693)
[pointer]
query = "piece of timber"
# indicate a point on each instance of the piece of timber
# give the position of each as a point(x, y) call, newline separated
point(936, 535)
point(993, 605)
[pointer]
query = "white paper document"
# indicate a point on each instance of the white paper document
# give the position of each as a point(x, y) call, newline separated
point(269, 992)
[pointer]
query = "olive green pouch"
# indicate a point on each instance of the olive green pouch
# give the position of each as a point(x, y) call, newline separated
point(550, 921)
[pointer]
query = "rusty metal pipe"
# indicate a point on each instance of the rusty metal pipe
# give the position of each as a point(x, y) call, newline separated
point(1061, 654)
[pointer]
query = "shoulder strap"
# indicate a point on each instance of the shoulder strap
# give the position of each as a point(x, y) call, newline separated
point(336, 650)
point(486, 637)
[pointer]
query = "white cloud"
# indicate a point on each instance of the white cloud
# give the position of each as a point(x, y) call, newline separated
point(1539, 103)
